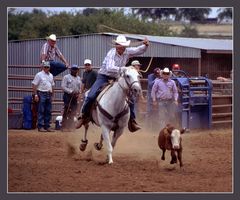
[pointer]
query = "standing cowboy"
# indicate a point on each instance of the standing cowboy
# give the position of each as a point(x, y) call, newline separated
point(49, 52)
point(89, 76)
point(43, 91)
point(71, 84)
point(115, 59)
point(165, 94)
point(134, 100)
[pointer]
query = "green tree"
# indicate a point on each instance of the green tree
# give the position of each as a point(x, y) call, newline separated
point(90, 11)
point(225, 13)
point(16, 23)
point(189, 31)
point(193, 14)
point(35, 26)
point(160, 13)
point(60, 24)
point(39, 24)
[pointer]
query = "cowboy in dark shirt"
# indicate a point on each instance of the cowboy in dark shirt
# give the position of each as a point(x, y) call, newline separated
point(89, 76)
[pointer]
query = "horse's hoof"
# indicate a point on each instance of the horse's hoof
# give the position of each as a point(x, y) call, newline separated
point(82, 147)
point(97, 146)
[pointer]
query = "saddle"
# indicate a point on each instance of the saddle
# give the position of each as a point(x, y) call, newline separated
point(101, 92)
point(96, 104)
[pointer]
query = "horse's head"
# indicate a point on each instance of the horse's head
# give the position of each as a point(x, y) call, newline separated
point(132, 79)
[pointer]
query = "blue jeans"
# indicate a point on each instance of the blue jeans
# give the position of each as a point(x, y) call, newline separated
point(149, 102)
point(44, 109)
point(70, 103)
point(167, 111)
point(95, 90)
point(57, 67)
point(132, 107)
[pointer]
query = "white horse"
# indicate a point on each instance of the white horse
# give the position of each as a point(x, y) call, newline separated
point(112, 110)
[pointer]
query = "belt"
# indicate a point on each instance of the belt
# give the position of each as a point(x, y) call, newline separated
point(165, 100)
point(45, 92)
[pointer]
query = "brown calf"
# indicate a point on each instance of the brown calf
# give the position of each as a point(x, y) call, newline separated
point(170, 139)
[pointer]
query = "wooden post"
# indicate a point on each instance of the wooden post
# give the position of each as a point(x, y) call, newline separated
point(199, 67)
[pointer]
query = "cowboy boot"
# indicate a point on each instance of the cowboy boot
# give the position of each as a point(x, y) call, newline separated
point(133, 126)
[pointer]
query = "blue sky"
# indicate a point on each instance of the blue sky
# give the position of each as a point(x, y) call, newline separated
point(72, 9)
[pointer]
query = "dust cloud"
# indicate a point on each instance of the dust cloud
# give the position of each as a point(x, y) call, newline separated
point(141, 144)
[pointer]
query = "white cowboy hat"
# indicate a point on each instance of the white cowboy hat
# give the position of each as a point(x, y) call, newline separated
point(87, 61)
point(166, 70)
point(52, 37)
point(121, 39)
point(135, 62)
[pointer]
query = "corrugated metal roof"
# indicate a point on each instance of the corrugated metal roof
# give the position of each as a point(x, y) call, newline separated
point(199, 43)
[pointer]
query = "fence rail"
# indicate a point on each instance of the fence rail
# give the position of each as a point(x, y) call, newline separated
point(221, 93)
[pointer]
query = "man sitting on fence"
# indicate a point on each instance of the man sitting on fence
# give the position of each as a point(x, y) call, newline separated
point(49, 52)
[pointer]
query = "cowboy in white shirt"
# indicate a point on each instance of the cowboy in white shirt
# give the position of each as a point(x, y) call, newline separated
point(42, 90)
point(116, 58)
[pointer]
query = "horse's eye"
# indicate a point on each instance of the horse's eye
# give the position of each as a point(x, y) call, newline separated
point(127, 76)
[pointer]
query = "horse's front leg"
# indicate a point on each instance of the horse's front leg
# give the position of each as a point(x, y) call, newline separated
point(116, 135)
point(98, 146)
point(106, 138)
point(84, 141)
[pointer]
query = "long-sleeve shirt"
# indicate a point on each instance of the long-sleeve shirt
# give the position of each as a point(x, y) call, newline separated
point(43, 81)
point(113, 61)
point(51, 52)
point(164, 90)
point(71, 84)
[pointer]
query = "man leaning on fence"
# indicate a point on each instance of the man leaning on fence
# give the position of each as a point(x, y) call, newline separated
point(43, 91)
point(71, 84)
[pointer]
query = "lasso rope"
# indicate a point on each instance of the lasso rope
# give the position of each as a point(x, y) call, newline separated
point(150, 62)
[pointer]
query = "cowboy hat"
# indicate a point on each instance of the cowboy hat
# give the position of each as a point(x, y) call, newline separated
point(121, 40)
point(165, 71)
point(74, 66)
point(135, 62)
point(52, 37)
point(46, 64)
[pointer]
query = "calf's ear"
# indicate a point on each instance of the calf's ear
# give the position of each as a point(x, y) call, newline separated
point(170, 129)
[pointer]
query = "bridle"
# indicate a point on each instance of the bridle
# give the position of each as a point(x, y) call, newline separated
point(128, 84)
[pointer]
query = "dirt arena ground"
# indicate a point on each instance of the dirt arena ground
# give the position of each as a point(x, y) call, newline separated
point(52, 162)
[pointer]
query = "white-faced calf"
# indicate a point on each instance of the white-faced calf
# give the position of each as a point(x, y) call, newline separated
point(170, 139)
